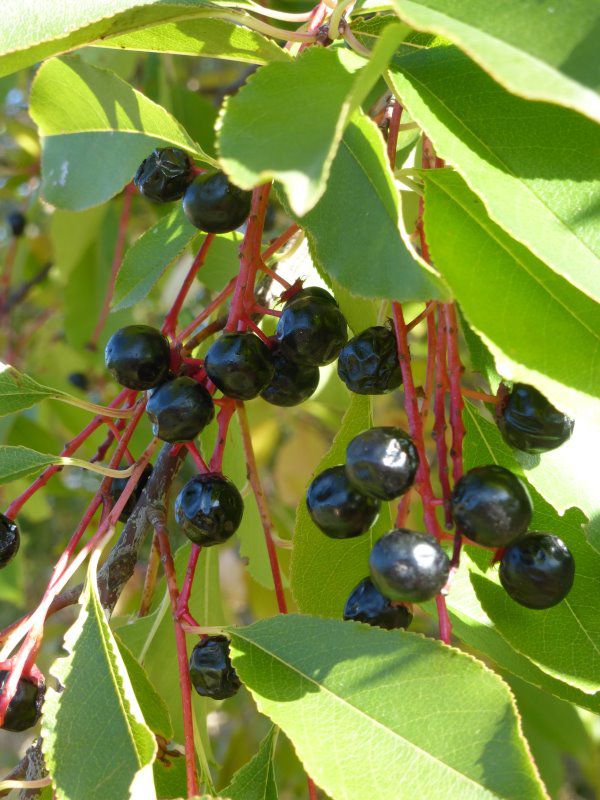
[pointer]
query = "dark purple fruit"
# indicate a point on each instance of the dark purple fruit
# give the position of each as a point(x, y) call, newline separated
point(292, 383)
point(16, 222)
point(179, 410)
point(531, 423)
point(382, 462)
point(367, 604)
point(80, 380)
point(316, 292)
point(10, 540)
point(138, 356)
point(116, 489)
point(311, 330)
point(369, 363)
point(240, 365)
point(211, 670)
point(538, 570)
point(209, 509)
point(215, 205)
point(25, 708)
point(164, 175)
point(337, 508)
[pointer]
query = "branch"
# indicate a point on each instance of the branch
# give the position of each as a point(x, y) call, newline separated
point(20, 293)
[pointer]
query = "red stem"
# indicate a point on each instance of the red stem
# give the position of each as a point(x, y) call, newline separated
point(198, 460)
point(430, 370)
point(444, 619)
point(186, 589)
point(439, 411)
point(223, 420)
point(275, 245)
point(429, 308)
point(210, 308)
point(393, 130)
point(170, 325)
point(455, 369)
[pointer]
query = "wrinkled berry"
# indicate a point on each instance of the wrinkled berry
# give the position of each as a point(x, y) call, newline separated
point(367, 604)
point(16, 222)
point(25, 708)
point(240, 365)
point(164, 175)
point(215, 205)
point(408, 566)
point(531, 423)
point(116, 489)
point(211, 670)
point(179, 410)
point(337, 508)
point(292, 383)
point(382, 462)
point(491, 506)
point(538, 570)
point(311, 330)
point(369, 363)
point(138, 356)
point(209, 509)
point(10, 540)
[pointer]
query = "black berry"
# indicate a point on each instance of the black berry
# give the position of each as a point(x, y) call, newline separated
point(138, 356)
point(382, 462)
point(10, 540)
point(16, 222)
point(538, 570)
point(311, 330)
point(292, 383)
point(337, 508)
point(164, 175)
point(369, 363)
point(531, 423)
point(209, 509)
point(367, 604)
point(408, 566)
point(211, 670)
point(179, 410)
point(116, 489)
point(25, 708)
point(491, 506)
point(240, 365)
point(316, 292)
point(215, 205)
point(80, 380)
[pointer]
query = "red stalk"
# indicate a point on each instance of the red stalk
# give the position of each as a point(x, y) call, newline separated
point(170, 324)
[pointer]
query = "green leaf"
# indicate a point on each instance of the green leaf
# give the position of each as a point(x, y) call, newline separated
point(574, 621)
point(559, 64)
point(387, 707)
point(72, 233)
point(98, 707)
point(94, 142)
point(150, 255)
point(518, 295)
point(212, 38)
point(18, 391)
point(264, 137)
point(367, 257)
point(22, 462)
point(523, 159)
point(256, 779)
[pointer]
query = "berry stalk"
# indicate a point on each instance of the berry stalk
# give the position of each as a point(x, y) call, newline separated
point(170, 324)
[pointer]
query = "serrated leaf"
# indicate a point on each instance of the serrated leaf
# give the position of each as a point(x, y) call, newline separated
point(262, 136)
point(211, 38)
point(522, 158)
point(104, 122)
point(390, 709)
point(558, 64)
point(21, 462)
point(96, 706)
point(368, 257)
point(574, 621)
point(256, 779)
point(18, 391)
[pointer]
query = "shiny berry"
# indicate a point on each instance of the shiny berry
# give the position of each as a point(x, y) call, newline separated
point(179, 410)
point(337, 508)
point(382, 462)
point(211, 670)
point(292, 383)
point(164, 175)
point(240, 365)
point(10, 540)
point(311, 330)
point(408, 566)
point(209, 509)
point(138, 356)
point(367, 604)
point(538, 570)
point(16, 222)
point(531, 423)
point(491, 506)
point(80, 380)
point(316, 292)
point(116, 489)
point(215, 205)
point(25, 708)
point(369, 363)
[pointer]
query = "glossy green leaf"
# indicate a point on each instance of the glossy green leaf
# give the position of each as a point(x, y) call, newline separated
point(256, 779)
point(559, 64)
point(390, 709)
point(98, 707)
point(93, 144)
point(525, 160)
point(21, 462)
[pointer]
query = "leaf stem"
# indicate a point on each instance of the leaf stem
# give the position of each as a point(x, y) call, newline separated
point(67, 461)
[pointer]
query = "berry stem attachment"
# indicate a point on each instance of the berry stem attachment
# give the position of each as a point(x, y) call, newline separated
point(198, 460)
point(170, 324)
point(223, 420)
point(186, 589)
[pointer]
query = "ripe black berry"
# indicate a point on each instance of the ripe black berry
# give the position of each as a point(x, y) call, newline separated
point(240, 365)
point(215, 205)
point(179, 410)
point(211, 670)
point(316, 292)
point(491, 506)
point(369, 363)
point(80, 380)
point(337, 508)
point(16, 222)
point(382, 462)
point(531, 423)
point(209, 509)
point(538, 570)
point(116, 489)
point(10, 540)
point(367, 604)
point(311, 330)
point(408, 566)
point(164, 175)
point(292, 383)
point(25, 708)
point(138, 356)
